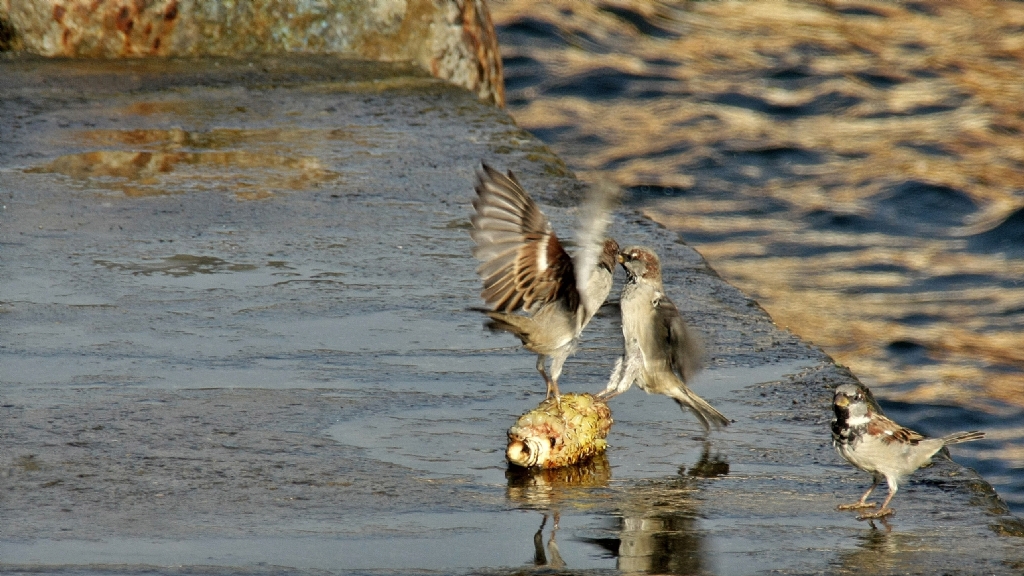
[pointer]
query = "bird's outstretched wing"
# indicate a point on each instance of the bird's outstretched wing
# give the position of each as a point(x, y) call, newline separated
point(523, 264)
point(594, 218)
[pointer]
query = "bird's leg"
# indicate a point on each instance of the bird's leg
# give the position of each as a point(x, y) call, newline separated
point(884, 510)
point(552, 384)
point(553, 387)
point(612, 389)
point(556, 370)
point(625, 372)
point(862, 503)
point(544, 374)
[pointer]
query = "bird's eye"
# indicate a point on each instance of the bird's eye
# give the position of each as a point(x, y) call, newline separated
point(552, 442)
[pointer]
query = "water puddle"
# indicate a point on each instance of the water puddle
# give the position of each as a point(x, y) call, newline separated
point(249, 175)
point(652, 470)
point(457, 541)
point(253, 164)
point(651, 437)
point(179, 265)
point(655, 454)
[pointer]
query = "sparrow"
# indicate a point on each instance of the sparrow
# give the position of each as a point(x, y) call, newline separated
point(876, 444)
point(534, 289)
point(661, 353)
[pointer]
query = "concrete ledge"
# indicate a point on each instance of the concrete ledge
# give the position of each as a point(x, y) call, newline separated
point(239, 337)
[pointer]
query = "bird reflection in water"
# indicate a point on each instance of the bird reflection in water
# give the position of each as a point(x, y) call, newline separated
point(708, 466)
point(655, 530)
point(881, 551)
point(884, 521)
point(539, 557)
point(546, 489)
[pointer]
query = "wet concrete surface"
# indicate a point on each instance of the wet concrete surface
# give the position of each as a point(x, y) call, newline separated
point(239, 337)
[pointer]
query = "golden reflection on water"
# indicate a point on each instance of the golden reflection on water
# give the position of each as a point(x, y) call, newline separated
point(755, 116)
point(970, 356)
point(251, 164)
point(550, 486)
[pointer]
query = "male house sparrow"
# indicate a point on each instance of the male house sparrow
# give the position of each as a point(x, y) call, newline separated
point(880, 446)
point(525, 268)
point(661, 352)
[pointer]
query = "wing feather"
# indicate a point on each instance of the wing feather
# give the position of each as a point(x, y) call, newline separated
point(686, 348)
point(891, 432)
point(523, 264)
point(595, 217)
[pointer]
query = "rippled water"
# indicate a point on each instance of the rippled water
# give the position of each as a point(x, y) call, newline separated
point(857, 167)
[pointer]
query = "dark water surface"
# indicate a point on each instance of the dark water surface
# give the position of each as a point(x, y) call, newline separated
point(857, 167)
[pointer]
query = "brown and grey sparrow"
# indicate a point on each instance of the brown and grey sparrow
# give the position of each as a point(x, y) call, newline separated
point(661, 353)
point(876, 444)
point(525, 268)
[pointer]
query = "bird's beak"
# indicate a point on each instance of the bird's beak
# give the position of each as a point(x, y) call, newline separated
point(620, 258)
point(842, 400)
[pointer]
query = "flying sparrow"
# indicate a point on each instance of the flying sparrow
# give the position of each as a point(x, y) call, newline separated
point(661, 352)
point(525, 269)
point(876, 444)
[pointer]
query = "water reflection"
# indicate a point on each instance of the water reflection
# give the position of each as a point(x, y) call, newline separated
point(655, 530)
point(176, 161)
point(708, 466)
point(549, 487)
point(883, 551)
point(878, 551)
point(553, 557)
point(666, 543)
point(658, 532)
point(178, 265)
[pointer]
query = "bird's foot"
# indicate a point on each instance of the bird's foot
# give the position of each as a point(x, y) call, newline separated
point(885, 522)
point(879, 514)
point(558, 401)
point(553, 391)
point(552, 388)
point(857, 505)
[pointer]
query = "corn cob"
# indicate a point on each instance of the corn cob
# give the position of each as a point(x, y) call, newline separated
point(556, 434)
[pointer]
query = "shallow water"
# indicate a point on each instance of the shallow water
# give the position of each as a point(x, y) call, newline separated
point(645, 444)
point(677, 533)
point(856, 167)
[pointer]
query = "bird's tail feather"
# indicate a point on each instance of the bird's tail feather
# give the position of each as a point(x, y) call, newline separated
point(520, 326)
point(959, 437)
point(707, 414)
